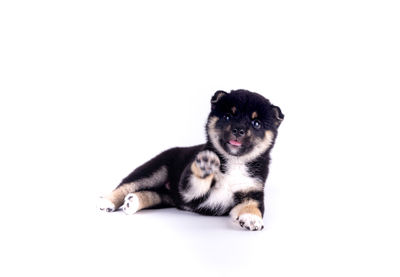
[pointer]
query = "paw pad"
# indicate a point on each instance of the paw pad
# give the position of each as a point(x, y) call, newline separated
point(207, 162)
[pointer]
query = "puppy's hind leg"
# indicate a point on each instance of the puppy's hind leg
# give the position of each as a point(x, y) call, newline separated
point(145, 199)
point(150, 176)
point(115, 199)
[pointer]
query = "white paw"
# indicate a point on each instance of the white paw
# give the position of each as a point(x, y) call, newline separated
point(105, 205)
point(250, 222)
point(131, 204)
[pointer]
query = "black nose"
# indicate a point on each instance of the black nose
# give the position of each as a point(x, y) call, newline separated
point(239, 132)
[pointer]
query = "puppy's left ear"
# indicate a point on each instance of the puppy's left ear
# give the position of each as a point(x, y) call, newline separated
point(217, 96)
point(278, 115)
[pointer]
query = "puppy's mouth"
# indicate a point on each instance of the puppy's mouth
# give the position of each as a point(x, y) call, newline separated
point(234, 146)
point(235, 143)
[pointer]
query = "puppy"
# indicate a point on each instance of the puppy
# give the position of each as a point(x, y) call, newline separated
point(226, 175)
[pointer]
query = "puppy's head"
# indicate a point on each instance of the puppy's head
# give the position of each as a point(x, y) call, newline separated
point(242, 123)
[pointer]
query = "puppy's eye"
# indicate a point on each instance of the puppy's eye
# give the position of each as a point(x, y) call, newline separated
point(227, 117)
point(256, 124)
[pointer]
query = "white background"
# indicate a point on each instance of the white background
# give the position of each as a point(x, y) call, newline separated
point(92, 89)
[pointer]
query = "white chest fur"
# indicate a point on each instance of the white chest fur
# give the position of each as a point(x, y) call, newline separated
point(235, 179)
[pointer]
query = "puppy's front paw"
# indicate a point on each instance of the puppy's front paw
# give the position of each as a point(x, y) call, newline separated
point(105, 205)
point(205, 164)
point(131, 204)
point(250, 222)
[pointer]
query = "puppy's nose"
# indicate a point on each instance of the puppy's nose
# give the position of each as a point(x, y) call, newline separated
point(238, 132)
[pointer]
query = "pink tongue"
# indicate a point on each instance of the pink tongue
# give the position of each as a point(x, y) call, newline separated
point(235, 143)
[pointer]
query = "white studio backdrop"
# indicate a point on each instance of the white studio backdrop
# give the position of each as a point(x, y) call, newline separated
point(91, 89)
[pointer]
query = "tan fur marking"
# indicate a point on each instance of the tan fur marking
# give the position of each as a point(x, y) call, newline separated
point(148, 199)
point(195, 170)
point(254, 115)
point(234, 109)
point(247, 207)
point(250, 209)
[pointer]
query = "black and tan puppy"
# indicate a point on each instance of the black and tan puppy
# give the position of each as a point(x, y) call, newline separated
point(226, 175)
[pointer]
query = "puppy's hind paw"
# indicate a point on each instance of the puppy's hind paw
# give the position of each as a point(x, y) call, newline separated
point(105, 205)
point(131, 204)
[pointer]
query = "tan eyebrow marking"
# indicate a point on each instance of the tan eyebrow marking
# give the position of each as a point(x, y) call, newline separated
point(233, 109)
point(254, 115)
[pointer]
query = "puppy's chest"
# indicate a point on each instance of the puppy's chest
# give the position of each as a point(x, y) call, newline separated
point(235, 179)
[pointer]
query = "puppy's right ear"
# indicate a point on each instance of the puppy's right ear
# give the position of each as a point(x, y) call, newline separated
point(217, 96)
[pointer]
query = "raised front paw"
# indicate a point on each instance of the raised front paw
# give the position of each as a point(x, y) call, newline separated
point(205, 164)
point(250, 222)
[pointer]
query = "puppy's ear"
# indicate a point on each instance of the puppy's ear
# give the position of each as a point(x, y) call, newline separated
point(217, 96)
point(278, 115)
